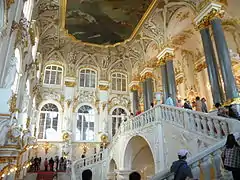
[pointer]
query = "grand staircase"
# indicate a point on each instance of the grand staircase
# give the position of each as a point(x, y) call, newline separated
point(205, 165)
point(43, 175)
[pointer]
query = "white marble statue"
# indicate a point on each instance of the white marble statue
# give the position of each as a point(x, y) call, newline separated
point(11, 73)
point(4, 126)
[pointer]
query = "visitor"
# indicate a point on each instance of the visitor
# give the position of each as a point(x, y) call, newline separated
point(198, 104)
point(36, 163)
point(232, 112)
point(56, 162)
point(135, 176)
point(187, 104)
point(131, 116)
point(221, 111)
point(180, 167)
point(61, 163)
point(169, 101)
point(151, 105)
point(138, 112)
point(46, 164)
point(179, 103)
point(231, 156)
point(39, 163)
point(83, 157)
point(204, 105)
point(51, 163)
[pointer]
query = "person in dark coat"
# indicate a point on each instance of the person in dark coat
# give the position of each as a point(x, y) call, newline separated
point(180, 167)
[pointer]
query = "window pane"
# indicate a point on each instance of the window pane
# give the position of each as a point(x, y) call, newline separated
point(47, 76)
point(87, 80)
point(124, 84)
point(53, 77)
point(54, 67)
point(93, 81)
point(81, 80)
point(114, 84)
point(59, 75)
point(119, 84)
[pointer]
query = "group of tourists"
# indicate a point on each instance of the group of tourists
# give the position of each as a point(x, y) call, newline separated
point(230, 160)
point(50, 164)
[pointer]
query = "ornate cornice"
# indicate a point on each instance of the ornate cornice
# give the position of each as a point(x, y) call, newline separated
point(210, 11)
point(146, 73)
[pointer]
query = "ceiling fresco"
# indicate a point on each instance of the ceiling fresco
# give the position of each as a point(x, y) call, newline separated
point(104, 21)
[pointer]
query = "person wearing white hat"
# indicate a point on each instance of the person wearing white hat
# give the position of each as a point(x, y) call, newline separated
point(180, 167)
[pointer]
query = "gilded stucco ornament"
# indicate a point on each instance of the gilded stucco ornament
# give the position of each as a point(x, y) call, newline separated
point(70, 83)
point(13, 103)
point(9, 2)
point(200, 67)
point(134, 87)
point(103, 87)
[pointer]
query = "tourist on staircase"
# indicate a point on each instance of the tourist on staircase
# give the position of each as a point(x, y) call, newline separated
point(187, 104)
point(46, 164)
point(180, 167)
point(204, 105)
point(169, 101)
point(51, 163)
point(198, 104)
point(231, 156)
point(221, 111)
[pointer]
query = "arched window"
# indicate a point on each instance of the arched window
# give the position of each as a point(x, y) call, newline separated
point(88, 78)
point(53, 75)
point(48, 123)
point(119, 82)
point(118, 115)
point(17, 75)
point(85, 123)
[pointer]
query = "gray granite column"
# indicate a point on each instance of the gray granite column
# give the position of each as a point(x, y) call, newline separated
point(149, 82)
point(213, 75)
point(135, 101)
point(224, 60)
point(171, 80)
point(145, 96)
point(164, 81)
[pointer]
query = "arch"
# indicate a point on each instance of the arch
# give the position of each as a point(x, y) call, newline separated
point(134, 176)
point(122, 107)
point(112, 165)
point(60, 109)
point(87, 174)
point(88, 104)
point(139, 157)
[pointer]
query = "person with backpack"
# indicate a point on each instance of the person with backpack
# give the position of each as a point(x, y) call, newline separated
point(180, 167)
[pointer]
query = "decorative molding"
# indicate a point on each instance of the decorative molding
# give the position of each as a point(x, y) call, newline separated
point(165, 55)
point(134, 85)
point(103, 87)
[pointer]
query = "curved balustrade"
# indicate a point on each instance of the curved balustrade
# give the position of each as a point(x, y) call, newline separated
point(206, 165)
point(197, 122)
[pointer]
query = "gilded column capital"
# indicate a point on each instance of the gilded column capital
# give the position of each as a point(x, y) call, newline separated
point(103, 85)
point(208, 12)
point(167, 54)
point(134, 85)
point(146, 73)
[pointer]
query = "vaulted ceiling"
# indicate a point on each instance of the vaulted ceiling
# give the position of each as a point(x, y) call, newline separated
point(104, 21)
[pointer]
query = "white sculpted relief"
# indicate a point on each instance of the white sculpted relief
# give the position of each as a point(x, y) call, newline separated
point(120, 100)
point(87, 97)
point(11, 72)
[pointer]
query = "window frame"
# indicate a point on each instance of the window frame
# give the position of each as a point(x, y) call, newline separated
point(45, 122)
point(119, 117)
point(51, 70)
point(122, 75)
point(79, 79)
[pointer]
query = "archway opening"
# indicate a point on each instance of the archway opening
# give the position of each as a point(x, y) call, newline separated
point(112, 168)
point(87, 175)
point(134, 176)
point(138, 157)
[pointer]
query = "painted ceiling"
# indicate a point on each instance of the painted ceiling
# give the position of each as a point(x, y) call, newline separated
point(104, 21)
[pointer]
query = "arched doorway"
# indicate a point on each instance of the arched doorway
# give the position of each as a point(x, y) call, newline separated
point(134, 176)
point(112, 168)
point(87, 174)
point(138, 156)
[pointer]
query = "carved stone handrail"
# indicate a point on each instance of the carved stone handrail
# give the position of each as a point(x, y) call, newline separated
point(208, 158)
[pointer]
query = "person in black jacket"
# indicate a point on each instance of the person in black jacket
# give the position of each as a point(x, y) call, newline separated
point(180, 167)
